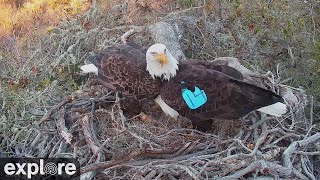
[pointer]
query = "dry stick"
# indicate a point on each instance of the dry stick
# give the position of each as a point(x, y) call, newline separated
point(171, 177)
point(270, 138)
point(231, 146)
point(191, 147)
point(185, 130)
point(48, 146)
point(89, 138)
point(124, 161)
point(308, 153)
point(55, 147)
point(230, 168)
point(187, 158)
point(280, 170)
point(306, 169)
point(310, 129)
point(311, 113)
point(125, 37)
point(99, 150)
point(87, 133)
point(18, 134)
point(192, 172)
point(202, 170)
point(103, 165)
point(36, 139)
point(182, 149)
point(62, 147)
point(166, 153)
point(261, 139)
point(159, 176)
point(293, 147)
point(27, 138)
point(281, 138)
point(271, 153)
point(230, 149)
point(258, 123)
point(151, 174)
point(283, 127)
point(255, 133)
point(61, 126)
point(253, 166)
point(41, 145)
point(298, 174)
point(241, 143)
point(54, 109)
point(233, 167)
point(143, 139)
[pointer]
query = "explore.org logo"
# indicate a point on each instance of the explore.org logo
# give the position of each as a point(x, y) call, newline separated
point(35, 168)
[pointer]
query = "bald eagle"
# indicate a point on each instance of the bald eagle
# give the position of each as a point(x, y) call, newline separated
point(202, 91)
point(157, 75)
point(122, 68)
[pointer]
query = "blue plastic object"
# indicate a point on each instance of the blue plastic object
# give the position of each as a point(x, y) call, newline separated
point(194, 99)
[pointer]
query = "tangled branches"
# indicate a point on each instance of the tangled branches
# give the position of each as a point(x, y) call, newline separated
point(108, 145)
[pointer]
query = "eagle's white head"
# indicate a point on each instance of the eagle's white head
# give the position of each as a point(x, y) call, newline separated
point(160, 62)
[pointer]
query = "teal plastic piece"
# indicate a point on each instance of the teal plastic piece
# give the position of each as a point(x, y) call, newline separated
point(194, 99)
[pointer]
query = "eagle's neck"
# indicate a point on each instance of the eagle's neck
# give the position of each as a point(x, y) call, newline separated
point(166, 71)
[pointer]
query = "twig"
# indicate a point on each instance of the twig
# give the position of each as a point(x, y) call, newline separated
point(61, 126)
point(88, 134)
point(55, 147)
point(99, 150)
point(306, 167)
point(103, 165)
point(311, 112)
point(261, 139)
point(53, 110)
point(125, 37)
point(36, 139)
point(253, 166)
point(308, 153)
point(286, 156)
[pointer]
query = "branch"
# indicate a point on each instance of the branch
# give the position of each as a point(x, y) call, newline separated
point(293, 147)
point(54, 109)
point(125, 37)
point(253, 166)
point(103, 165)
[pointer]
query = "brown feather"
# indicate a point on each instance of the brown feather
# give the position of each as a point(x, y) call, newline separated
point(217, 67)
point(228, 98)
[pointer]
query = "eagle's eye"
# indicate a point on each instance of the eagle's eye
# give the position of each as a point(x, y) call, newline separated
point(165, 51)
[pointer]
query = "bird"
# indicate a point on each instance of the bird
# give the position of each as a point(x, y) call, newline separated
point(122, 68)
point(202, 91)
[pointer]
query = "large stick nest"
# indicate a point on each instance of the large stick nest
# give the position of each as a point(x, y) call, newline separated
point(90, 126)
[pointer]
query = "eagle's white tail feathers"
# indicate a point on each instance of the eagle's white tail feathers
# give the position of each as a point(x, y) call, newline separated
point(276, 109)
point(166, 108)
point(89, 68)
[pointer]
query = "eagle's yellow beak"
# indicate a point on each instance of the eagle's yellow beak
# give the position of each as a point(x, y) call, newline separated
point(162, 58)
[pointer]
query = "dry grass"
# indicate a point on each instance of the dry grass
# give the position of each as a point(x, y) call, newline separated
point(24, 17)
point(41, 69)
